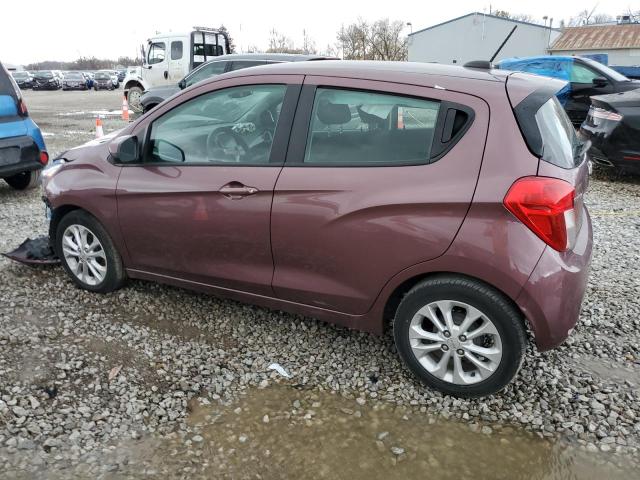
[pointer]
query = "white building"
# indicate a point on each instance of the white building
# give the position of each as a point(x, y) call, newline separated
point(620, 44)
point(477, 36)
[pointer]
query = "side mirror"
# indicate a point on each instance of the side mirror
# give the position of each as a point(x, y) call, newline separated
point(168, 152)
point(182, 84)
point(124, 149)
point(600, 82)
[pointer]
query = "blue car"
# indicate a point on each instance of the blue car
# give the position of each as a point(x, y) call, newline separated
point(22, 150)
point(585, 78)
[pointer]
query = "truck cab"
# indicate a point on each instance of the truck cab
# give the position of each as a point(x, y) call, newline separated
point(168, 57)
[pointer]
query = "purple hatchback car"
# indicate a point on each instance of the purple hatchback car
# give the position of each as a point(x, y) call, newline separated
point(444, 199)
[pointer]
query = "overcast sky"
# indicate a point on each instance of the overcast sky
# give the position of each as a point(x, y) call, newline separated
point(34, 30)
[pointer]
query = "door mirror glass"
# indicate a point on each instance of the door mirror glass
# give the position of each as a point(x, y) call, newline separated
point(165, 151)
point(124, 149)
point(600, 82)
point(182, 84)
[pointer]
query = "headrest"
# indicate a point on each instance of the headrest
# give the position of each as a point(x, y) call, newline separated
point(333, 113)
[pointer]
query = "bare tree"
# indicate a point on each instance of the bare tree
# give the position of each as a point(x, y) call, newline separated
point(381, 40)
point(589, 17)
point(280, 43)
point(521, 17)
point(308, 45)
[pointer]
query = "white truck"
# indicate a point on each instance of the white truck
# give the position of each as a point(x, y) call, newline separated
point(168, 57)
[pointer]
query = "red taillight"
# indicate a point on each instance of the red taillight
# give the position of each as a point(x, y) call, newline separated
point(546, 206)
point(44, 157)
point(22, 108)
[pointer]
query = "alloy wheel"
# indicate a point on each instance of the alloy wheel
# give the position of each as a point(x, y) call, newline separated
point(455, 342)
point(84, 254)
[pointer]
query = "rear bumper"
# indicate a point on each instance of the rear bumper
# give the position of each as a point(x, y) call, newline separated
point(17, 155)
point(552, 298)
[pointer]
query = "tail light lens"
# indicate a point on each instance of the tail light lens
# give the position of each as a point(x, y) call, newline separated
point(602, 114)
point(547, 206)
point(44, 157)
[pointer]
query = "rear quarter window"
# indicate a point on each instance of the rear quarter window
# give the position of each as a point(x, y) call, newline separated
point(560, 143)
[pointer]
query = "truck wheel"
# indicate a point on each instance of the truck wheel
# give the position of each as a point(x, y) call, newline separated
point(24, 180)
point(134, 99)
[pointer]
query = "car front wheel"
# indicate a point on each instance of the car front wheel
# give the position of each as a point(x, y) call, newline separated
point(460, 336)
point(24, 180)
point(88, 253)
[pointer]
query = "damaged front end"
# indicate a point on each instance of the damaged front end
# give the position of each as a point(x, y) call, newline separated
point(37, 251)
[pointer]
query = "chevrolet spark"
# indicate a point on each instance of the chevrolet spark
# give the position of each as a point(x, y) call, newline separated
point(445, 200)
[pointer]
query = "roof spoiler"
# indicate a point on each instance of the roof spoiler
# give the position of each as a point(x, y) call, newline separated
point(483, 64)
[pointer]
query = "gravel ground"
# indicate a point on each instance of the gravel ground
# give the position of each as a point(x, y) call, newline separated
point(110, 385)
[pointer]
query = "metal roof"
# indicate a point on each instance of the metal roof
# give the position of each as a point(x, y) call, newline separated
point(486, 15)
point(598, 37)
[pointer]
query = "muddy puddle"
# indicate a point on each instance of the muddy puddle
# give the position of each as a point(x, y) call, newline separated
point(281, 432)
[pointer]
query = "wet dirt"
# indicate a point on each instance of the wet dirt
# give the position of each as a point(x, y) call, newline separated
point(285, 432)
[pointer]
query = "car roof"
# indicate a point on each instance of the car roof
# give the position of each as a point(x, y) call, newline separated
point(390, 71)
point(276, 57)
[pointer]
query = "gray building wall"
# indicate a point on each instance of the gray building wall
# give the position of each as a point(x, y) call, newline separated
point(628, 57)
point(477, 37)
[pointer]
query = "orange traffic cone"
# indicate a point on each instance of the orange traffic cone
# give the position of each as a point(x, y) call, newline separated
point(125, 109)
point(99, 131)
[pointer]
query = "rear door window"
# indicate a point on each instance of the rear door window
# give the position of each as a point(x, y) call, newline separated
point(357, 128)
point(560, 144)
point(176, 50)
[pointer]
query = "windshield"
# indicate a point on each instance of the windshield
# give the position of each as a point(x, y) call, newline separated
point(20, 74)
point(102, 76)
point(561, 146)
point(43, 75)
point(610, 72)
point(73, 75)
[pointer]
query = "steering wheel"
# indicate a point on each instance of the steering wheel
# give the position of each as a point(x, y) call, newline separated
point(230, 142)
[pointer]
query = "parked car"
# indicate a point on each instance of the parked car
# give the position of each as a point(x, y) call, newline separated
point(74, 81)
point(352, 192)
point(121, 74)
point(46, 80)
point(22, 150)
point(226, 63)
point(23, 79)
point(586, 78)
point(613, 128)
point(102, 81)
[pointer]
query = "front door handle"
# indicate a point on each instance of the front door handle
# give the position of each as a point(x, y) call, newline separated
point(236, 190)
point(166, 74)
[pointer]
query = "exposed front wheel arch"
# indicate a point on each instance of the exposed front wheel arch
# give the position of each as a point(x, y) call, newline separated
point(88, 253)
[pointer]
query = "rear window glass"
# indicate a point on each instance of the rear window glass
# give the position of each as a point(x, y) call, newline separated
point(560, 143)
point(365, 128)
point(102, 76)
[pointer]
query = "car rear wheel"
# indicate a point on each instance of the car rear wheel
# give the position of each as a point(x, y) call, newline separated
point(460, 336)
point(88, 253)
point(24, 180)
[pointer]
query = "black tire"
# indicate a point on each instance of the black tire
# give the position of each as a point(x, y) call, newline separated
point(115, 276)
point(24, 180)
point(506, 318)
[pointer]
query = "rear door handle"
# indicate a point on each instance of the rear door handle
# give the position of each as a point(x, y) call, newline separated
point(236, 190)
